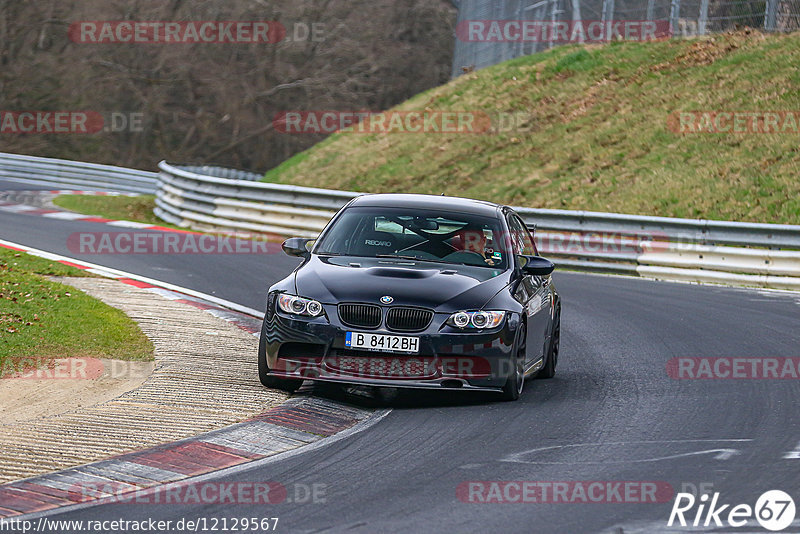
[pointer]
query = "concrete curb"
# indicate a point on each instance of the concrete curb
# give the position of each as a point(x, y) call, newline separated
point(299, 422)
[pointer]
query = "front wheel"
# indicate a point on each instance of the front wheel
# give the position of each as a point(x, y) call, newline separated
point(512, 389)
point(286, 384)
point(549, 369)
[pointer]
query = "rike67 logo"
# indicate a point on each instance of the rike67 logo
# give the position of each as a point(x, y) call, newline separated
point(774, 510)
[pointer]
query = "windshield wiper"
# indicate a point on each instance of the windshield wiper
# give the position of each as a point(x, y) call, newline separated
point(415, 258)
point(395, 256)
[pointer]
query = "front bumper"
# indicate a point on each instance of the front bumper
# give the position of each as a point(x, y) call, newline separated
point(448, 358)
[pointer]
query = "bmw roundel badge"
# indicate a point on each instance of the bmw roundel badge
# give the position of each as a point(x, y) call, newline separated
point(386, 299)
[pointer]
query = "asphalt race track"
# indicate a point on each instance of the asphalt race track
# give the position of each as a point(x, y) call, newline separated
point(611, 414)
point(241, 278)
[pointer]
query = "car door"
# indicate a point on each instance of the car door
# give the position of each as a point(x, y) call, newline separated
point(535, 289)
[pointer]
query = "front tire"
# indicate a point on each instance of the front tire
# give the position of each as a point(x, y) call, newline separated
point(549, 369)
point(512, 389)
point(286, 384)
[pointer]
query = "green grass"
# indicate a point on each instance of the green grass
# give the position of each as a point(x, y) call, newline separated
point(125, 208)
point(136, 209)
point(43, 319)
point(593, 134)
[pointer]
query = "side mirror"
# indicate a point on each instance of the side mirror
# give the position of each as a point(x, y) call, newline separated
point(297, 246)
point(536, 265)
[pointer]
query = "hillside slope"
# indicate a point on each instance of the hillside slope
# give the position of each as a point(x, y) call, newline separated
point(597, 133)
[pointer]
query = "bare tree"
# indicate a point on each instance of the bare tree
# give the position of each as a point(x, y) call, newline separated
point(211, 102)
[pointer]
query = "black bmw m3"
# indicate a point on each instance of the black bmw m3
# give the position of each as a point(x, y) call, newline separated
point(414, 291)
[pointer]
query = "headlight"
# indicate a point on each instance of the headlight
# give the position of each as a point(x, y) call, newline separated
point(476, 319)
point(299, 306)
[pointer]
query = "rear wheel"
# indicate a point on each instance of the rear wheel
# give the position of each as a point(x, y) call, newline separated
point(512, 389)
point(286, 384)
point(549, 369)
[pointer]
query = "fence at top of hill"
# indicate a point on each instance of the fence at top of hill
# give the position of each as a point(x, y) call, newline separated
point(492, 31)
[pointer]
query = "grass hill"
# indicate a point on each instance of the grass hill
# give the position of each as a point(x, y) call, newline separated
point(596, 133)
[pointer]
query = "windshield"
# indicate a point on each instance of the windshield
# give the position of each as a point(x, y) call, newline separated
point(408, 233)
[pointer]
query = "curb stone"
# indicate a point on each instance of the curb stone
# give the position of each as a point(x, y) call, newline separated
point(300, 421)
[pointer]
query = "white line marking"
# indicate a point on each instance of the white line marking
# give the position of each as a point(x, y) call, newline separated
point(101, 272)
point(66, 215)
point(123, 274)
point(793, 455)
point(129, 224)
point(721, 454)
point(45, 255)
point(20, 208)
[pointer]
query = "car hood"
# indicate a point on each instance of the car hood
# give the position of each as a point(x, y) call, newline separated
point(332, 280)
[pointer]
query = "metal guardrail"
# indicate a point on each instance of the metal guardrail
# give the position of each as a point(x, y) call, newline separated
point(62, 173)
point(701, 231)
point(640, 245)
point(222, 172)
point(657, 247)
point(222, 204)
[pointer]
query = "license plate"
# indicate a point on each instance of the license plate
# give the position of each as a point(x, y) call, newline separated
point(381, 342)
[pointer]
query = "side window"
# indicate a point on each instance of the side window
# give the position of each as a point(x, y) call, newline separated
point(520, 237)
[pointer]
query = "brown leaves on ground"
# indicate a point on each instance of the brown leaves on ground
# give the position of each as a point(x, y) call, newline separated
point(584, 103)
point(707, 51)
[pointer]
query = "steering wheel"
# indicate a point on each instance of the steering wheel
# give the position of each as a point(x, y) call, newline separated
point(469, 257)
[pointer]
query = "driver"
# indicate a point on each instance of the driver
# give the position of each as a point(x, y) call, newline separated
point(472, 240)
